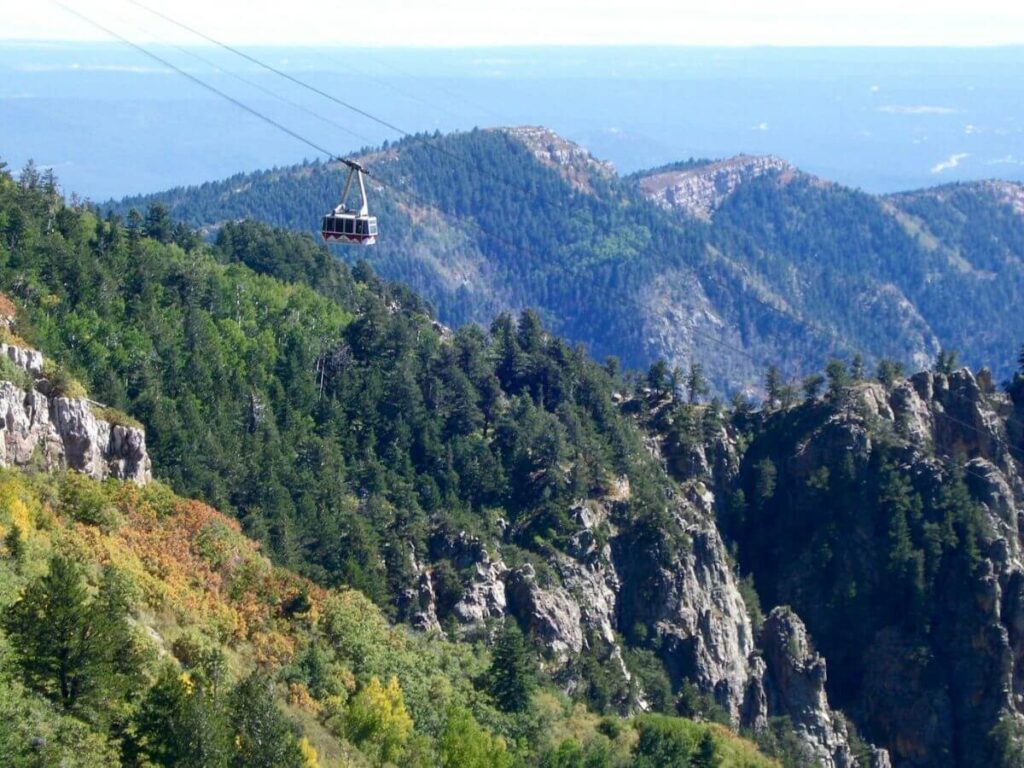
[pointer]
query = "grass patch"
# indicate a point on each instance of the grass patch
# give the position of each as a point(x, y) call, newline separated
point(115, 417)
point(7, 336)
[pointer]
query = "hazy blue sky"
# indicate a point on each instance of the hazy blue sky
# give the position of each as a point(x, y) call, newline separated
point(538, 22)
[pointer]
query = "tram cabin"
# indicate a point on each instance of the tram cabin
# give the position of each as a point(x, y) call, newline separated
point(349, 227)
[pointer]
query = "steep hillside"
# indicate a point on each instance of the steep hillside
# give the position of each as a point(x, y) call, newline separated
point(464, 481)
point(888, 514)
point(736, 264)
point(220, 659)
point(469, 480)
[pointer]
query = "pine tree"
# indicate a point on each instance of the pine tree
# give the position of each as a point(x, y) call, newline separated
point(183, 724)
point(696, 385)
point(262, 736)
point(889, 372)
point(772, 385)
point(946, 361)
point(68, 644)
point(838, 379)
point(14, 545)
point(812, 385)
point(857, 368)
point(706, 755)
point(658, 376)
point(512, 674)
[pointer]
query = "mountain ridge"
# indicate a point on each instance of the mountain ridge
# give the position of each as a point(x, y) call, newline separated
point(783, 274)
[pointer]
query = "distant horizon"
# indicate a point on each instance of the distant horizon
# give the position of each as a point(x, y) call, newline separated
point(202, 45)
point(883, 119)
point(465, 23)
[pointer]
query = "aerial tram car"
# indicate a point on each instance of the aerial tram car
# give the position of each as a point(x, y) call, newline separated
point(351, 226)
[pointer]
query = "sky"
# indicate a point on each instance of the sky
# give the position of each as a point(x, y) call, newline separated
point(463, 23)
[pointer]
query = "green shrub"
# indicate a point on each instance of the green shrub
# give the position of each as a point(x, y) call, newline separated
point(62, 383)
point(19, 377)
point(115, 417)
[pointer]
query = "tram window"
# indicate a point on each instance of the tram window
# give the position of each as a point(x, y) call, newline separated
point(348, 226)
point(373, 227)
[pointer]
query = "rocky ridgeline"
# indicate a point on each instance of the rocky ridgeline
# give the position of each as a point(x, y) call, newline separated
point(701, 190)
point(573, 162)
point(941, 417)
point(55, 432)
point(944, 715)
point(680, 587)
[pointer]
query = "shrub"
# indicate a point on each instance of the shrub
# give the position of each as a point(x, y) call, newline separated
point(62, 383)
point(115, 417)
point(19, 377)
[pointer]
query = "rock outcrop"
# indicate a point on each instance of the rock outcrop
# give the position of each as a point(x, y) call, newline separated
point(61, 432)
point(931, 688)
point(794, 686)
point(699, 191)
point(575, 164)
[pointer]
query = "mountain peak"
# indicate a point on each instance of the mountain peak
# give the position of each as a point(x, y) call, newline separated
point(575, 164)
point(701, 189)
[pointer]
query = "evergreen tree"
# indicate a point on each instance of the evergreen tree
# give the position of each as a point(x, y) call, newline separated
point(512, 674)
point(262, 737)
point(706, 755)
point(28, 180)
point(658, 376)
point(69, 646)
point(889, 372)
point(772, 385)
point(158, 224)
point(838, 379)
point(14, 545)
point(812, 385)
point(696, 385)
point(857, 368)
point(182, 723)
point(946, 361)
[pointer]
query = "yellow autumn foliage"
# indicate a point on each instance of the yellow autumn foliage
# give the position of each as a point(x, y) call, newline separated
point(377, 720)
point(309, 759)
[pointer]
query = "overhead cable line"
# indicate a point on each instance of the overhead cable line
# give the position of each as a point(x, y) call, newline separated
point(261, 88)
point(432, 146)
point(196, 80)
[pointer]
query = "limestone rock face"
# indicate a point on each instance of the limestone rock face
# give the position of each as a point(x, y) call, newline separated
point(931, 698)
point(23, 357)
point(795, 685)
point(701, 190)
point(689, 598)
point(60, 432)
point(550, 613)
point(485, 597)
point(575, 164)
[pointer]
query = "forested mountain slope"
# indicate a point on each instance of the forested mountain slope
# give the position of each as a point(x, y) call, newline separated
point(140, 628)
point(749, 263)
point(469, 479)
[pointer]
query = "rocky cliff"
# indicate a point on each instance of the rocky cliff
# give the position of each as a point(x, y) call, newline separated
point(618, 584)
point(56, 432)
point(701, 190)
point(889, 517)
